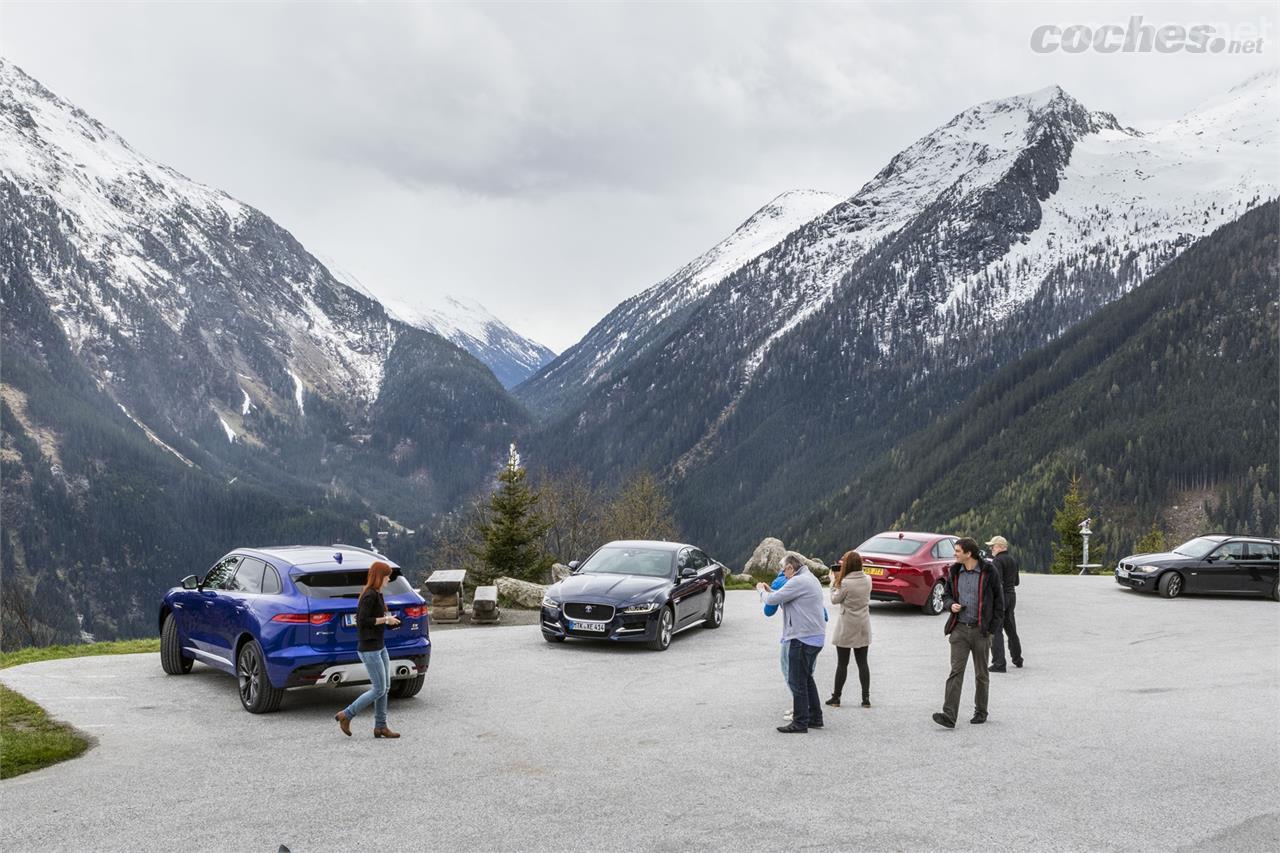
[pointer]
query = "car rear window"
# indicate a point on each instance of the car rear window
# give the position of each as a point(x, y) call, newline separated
point(347, 584)
point(891, 545)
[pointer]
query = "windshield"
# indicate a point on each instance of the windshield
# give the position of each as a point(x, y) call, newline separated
point(1197, 548)
point(347, 584)
point(629, 561)
point(890, 545)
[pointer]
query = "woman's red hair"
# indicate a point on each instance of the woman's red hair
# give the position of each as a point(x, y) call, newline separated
point(377, 572)
point(850, 562)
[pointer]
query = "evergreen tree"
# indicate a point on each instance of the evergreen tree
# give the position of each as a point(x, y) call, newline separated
point(1067, 545)
point(511, 534)
point(1152, 542)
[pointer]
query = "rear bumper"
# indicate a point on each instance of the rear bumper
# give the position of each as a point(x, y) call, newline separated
point(305, 666)
point(912, 588)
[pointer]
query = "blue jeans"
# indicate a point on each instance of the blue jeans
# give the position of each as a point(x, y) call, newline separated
point(786, 654)
point(806, 705)
point(379, 666)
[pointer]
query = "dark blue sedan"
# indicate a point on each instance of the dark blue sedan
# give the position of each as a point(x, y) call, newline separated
point(636, 591)
point(285, 618)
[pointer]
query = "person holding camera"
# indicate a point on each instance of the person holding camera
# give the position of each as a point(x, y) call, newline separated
point(851, 589)
point(803, 633)
point(372, 621)
point(975, 597)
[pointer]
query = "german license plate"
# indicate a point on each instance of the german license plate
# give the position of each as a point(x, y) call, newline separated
point(874, 572)
point(1122, 573)
point(349, 620)
point(598, 627)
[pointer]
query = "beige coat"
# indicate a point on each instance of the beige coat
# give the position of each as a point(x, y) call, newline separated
point(853, 623)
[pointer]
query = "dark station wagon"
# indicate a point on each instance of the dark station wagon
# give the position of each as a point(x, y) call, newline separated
point(1231, 565)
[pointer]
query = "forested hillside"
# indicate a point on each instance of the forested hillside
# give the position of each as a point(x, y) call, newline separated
point(1170, 390)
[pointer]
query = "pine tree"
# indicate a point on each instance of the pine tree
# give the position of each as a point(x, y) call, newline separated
point(511, 534)
point(1152, 542)
point(1067, 546)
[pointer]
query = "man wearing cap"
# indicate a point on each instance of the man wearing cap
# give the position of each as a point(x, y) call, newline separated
point(1008, 568)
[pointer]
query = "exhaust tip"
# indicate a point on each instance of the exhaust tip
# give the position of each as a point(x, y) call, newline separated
point(336, 678)
point(404, 670)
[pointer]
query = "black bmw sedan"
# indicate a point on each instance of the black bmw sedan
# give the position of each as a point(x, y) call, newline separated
point(1218, 564)
point(636, 591)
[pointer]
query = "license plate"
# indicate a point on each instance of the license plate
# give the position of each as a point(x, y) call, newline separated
point(874, 572)
point(598, 627)
point(1122, 573)
point(349, 620)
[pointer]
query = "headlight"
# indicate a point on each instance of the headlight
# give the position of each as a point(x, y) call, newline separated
point(548, 601)
point(647, 607)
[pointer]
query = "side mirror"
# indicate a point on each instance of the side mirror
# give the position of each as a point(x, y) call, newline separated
point(1211, 558)
point(573, 565)
point(190, 582)
point(689, 572)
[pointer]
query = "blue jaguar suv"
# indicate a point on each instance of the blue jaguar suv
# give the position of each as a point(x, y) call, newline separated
point(285, 618)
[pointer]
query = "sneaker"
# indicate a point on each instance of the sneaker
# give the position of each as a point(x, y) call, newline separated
point(1018, 664)
point(978, 718)
point(866, 703)
point(788, 715)
point(944, 721)
point(792, 729)
point(834, 702)
point(815, 725)
point(998, 668)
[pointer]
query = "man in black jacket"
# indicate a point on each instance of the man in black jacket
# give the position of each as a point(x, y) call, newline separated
point(976, 601)
point(1008, 568)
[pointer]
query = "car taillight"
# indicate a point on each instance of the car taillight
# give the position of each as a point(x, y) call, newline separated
point(415, 611)
point(291, 618)
point(320, 618)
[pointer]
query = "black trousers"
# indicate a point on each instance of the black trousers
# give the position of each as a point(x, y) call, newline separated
point(842, 670)
point(1010, 628)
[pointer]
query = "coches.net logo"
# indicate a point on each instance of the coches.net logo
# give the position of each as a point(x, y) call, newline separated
point(1139, 37)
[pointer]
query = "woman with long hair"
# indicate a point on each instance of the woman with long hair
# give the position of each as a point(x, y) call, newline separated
point(851, 589)
point(372, 621)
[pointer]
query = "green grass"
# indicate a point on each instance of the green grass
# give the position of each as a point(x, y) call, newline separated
point(29, 740)
point(79, 650)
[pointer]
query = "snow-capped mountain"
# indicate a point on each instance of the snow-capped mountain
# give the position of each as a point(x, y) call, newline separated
point(631, 328)
point(206, 323)
point(981, 241)
point(512, 357)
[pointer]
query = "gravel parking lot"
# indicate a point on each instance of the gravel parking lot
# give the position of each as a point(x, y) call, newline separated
point(1138, 723)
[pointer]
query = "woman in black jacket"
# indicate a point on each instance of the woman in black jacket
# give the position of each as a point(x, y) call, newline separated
point(372, 621)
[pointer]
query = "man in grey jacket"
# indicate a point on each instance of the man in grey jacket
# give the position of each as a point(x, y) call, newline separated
point(804, 631)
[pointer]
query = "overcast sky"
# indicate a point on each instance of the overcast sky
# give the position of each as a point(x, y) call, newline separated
point(550, 160)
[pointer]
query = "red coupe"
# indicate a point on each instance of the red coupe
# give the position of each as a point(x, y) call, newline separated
point(908, 567)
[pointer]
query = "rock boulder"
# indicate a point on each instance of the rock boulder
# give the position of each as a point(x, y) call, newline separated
point(518, 593)
point(766, 560)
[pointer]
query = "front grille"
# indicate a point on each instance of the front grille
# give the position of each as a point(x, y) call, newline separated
point(584, 610)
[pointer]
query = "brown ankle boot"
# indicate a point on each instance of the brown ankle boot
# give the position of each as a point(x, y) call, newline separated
point(383, 731)
point(344, 722)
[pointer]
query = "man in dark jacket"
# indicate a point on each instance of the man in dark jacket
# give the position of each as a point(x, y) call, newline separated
point(976, 601)
point(1008, 568)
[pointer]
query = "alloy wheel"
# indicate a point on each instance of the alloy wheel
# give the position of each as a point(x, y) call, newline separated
point(250, 676)
point(1175, 586)
point(718, 607)
point(665, 628)
point(935, 598)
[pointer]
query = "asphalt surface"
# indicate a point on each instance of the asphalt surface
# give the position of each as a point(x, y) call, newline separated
point(1137, 724)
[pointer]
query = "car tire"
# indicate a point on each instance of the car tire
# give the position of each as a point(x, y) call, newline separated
point(257, 694)
point(1171, 584)
point(933, 604)
point(552, 638)
point(171, 658)
point(715, 610)
point(666, 628)
point(407, 688)
point(1275, 590)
